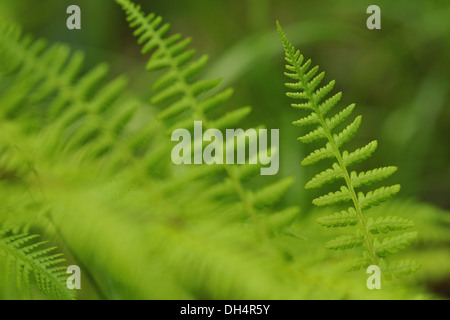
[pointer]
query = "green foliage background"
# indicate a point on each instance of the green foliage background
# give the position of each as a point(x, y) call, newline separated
point(398, 77)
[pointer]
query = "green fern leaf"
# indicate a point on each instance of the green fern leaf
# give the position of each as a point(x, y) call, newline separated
point(358, 264)
point(279, 220)
point(305, 88)
point(311, 119)
point(319, 154)
point(372, 198)
point(345, 242)
point(312, 136)
point(49, 277)
point(387, 224)
point(231, 118)
point(185, 99)
point(216, 100)
point(402, 268)
point(320, 94)
point(371, 176)
point(326, 106)
point(359, 154)
point(326, 176)
point(297, 95)
point(347, 133)
point(340, 117)
point(333, 197)
point(272, 193)
point(393, 244)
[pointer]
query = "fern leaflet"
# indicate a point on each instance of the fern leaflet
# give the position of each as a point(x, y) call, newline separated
point(28, 258)
point(178, 89)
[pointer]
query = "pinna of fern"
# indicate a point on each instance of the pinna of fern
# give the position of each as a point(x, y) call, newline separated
point(79, 132)
point(313, 99)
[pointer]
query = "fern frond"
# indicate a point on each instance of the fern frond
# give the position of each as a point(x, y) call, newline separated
point(387, 224)
point(314, 100)
point(231, 118)
point(345, 242)
point(29, 258)
point(402, 268)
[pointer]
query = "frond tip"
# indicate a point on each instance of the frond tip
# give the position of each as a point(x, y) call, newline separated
point(388, 224)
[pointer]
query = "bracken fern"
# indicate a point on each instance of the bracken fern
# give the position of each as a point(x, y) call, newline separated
point(314, 100)
point(77, 131)
point(90, 170)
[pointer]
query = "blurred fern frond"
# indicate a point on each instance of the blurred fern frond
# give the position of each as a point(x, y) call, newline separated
point(25, 258)
point(78, 136)
point(183, 99)
point(88, 168)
